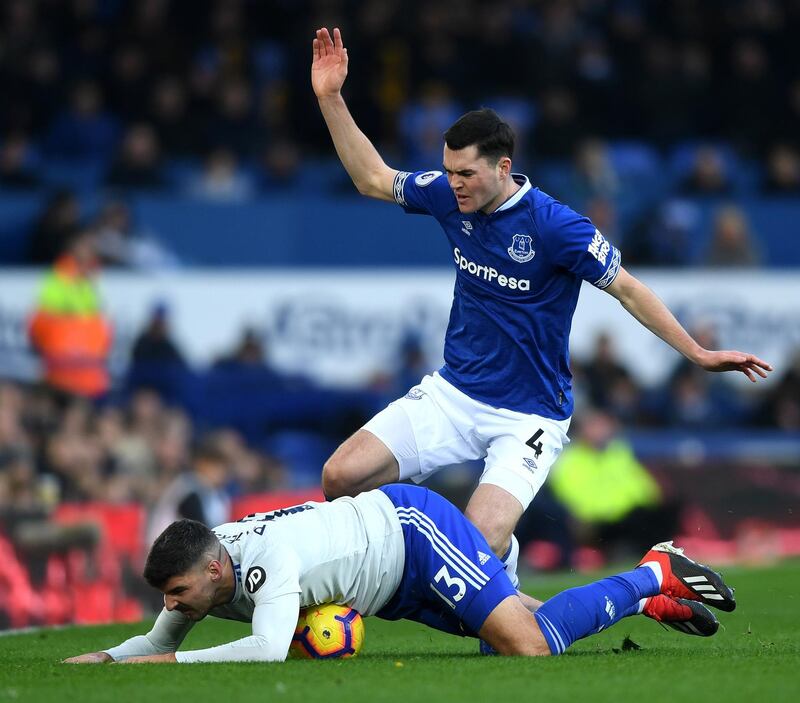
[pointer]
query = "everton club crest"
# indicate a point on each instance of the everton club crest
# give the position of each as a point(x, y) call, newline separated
point(521, 248)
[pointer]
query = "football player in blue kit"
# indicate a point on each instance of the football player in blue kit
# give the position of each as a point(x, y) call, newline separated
point(504, 392)
point(399, 551)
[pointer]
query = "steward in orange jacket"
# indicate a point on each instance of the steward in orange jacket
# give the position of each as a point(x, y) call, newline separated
point(68, 329)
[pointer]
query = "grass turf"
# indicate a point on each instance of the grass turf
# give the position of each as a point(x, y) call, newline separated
point(754, 656)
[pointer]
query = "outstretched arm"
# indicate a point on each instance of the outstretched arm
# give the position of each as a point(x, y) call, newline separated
point(273, 627)
point(646, 307)
point(363, 163)
point(160, 644)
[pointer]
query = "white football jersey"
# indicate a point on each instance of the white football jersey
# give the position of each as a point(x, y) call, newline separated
point(350, 551)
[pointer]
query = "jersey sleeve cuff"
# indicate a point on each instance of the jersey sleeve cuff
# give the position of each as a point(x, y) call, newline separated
point(398, 186)
point(611, 272)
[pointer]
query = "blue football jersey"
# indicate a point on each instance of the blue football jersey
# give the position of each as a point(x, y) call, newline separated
point(518, 274)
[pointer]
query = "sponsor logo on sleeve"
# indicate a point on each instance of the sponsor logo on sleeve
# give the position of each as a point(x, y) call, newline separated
point(599, 247)
point(255, 579)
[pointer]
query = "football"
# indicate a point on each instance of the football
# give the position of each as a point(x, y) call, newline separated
point(327, 631)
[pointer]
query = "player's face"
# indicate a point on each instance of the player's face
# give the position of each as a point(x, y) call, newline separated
point(477, 183)
point(191, 593)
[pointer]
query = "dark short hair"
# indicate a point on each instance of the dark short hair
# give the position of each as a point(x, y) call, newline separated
point(486, 130)
point(177, 550)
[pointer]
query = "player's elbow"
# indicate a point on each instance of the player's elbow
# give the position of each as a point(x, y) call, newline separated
point(367, 187)
point(337, 478)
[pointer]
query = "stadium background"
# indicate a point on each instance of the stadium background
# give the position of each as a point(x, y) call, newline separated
point(184, 140)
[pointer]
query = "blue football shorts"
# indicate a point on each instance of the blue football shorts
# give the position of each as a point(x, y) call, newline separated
point(451, 579)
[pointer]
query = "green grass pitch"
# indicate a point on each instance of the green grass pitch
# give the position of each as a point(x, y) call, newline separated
point(755, 657)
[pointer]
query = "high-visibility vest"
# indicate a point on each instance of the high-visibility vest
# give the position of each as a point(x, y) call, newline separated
point(602, 485)
point(70, 332)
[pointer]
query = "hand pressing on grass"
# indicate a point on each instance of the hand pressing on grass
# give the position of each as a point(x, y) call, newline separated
point(90, 658)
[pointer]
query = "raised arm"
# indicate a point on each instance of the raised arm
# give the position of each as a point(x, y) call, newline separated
point(648, 309)
point(361, 160)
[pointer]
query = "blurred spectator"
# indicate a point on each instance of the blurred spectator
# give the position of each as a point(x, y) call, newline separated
point(700, 400)
point(232, 126)
point(15, 167)
point(422, 123)
point(178, 131)
point(138, 163)
point(603, 213)
point(68, 329)
point(751, 96)
point(281, 164)
point(154, 343)
point(251, 472)
point(661, 236)
point(410, 367)
point(708, 175)
point(783, 171)
point(602, 371)
point(84, 130)
point(55, 226)
point(128, 81)
point(613, 501)
point(222, 180)
point(120, 243)
point(248, 352)
point(74, 457)
point(781, 407)
point(197, 494)
point(593, 173)
point(732, 242)
point(558, 128)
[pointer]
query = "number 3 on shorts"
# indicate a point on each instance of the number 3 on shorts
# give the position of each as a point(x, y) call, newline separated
point(444, 575)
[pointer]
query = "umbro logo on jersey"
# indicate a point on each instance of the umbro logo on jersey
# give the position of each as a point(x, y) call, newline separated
point(415, 394)
point(483, 558)
point(467, 228)
point(255, 579)
point(521, 248)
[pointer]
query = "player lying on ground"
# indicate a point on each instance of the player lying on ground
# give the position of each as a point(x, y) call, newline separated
point(396, 552)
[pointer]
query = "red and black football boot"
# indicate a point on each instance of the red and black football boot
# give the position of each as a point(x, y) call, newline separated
point(687, 616)
point(684, 578)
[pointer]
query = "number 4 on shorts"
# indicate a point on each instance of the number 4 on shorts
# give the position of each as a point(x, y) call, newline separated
point(533, 444)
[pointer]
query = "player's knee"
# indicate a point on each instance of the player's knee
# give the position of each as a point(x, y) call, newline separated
point(495, 530)
point(337, 480)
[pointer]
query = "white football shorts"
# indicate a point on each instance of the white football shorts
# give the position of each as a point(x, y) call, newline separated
point(435, 425)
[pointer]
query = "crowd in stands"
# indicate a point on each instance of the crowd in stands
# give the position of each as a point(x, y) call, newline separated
point(622, 108)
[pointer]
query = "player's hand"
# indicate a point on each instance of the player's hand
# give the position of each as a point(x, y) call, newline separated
point(329, 65)
point(90, 658)
point(748, 364)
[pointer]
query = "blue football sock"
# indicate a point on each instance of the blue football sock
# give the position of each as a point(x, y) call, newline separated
point(586, 610)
